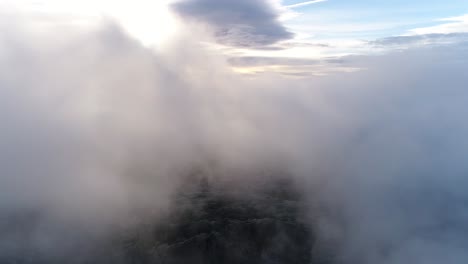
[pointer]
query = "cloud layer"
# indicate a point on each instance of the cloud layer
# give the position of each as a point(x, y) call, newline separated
point(98, 133)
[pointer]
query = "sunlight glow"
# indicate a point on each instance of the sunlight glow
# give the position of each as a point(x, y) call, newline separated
point(149, 21)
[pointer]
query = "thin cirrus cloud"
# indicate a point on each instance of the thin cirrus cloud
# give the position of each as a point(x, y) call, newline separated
point(239, 23)
point(305, 3)
point(451, 31)
point(449, 25)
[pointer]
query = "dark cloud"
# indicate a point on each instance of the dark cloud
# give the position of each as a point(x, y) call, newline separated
point(245, 23)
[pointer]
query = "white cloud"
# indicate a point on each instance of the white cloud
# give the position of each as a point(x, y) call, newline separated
point(305, 3)
point(450, 25)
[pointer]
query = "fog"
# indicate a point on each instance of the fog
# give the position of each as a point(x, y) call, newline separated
point(99, 133)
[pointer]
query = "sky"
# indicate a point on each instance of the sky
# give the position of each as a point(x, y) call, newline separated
point(107, 106)
point(369, 20)
point(288, 30)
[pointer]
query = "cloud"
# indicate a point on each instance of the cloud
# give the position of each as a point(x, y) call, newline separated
point(99, 132)
point(426, 39)
point(265, 61)
point(243, 23)
point(290, 66)
point(449, 25)
point(305, 3)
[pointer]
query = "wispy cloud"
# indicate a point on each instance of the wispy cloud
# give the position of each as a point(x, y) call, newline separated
point(450, 25)
point(305, 3)
point(419, 40)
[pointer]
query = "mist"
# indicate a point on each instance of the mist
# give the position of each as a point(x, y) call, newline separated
point(101, 136)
